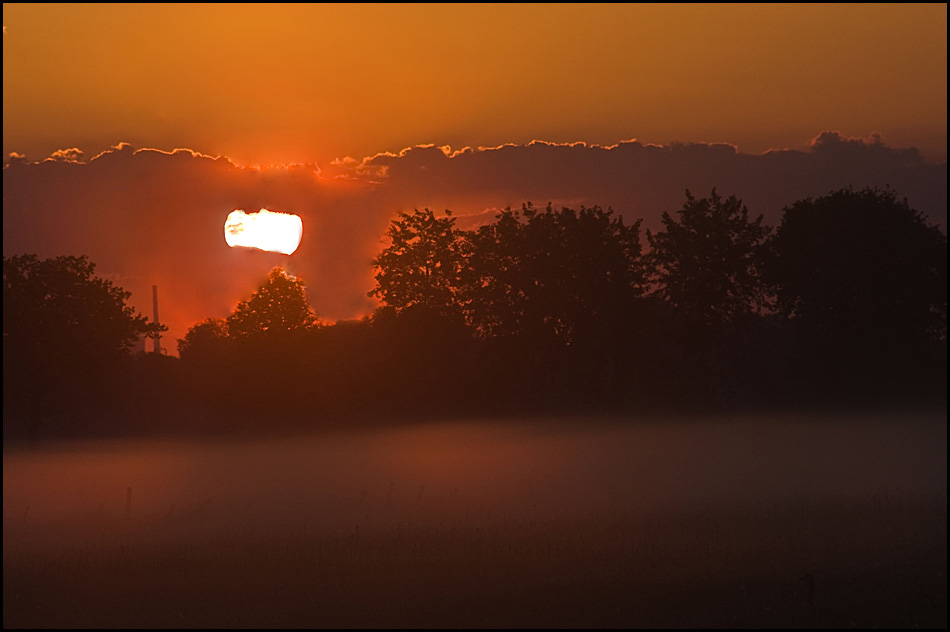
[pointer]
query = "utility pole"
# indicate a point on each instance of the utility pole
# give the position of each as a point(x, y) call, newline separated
point(157, 338)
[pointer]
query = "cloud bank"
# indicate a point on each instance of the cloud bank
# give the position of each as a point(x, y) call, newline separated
point(149, 217)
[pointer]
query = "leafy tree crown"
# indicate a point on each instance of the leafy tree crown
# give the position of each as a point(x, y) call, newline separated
point(860, 263)
point(421, 266)
point(58, 308)
point(705, 261)
point(280, 305)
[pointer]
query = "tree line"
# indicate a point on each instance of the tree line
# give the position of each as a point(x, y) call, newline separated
point(548, 310)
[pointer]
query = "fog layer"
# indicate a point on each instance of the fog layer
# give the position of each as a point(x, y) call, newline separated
point(532, 470)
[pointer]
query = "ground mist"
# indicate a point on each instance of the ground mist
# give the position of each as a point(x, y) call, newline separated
point(786, 521)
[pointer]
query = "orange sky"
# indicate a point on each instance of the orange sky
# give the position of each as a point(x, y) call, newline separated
point(276, 84)
point(847, 87)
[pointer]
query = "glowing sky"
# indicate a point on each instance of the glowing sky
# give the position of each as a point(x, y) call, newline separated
point(353, 94)
point(278, 84)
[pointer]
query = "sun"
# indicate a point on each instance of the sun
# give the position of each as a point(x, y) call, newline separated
point(264, 230)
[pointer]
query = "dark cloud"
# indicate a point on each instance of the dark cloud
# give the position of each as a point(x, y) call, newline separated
point(640, 180)
point(155, 217)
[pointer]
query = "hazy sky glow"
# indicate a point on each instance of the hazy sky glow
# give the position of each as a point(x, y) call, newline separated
point(278, 84)
point(360, 112)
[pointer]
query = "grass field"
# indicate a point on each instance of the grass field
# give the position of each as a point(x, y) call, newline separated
point(753, 522)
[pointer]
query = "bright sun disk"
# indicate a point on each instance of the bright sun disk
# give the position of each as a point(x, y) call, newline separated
point(264, 230)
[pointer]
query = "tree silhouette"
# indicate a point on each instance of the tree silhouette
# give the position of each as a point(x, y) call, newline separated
point(552, 294)
point(62, 328)
point(60, 304)
point(204, 339)
point(258, 360)
point(863, 279)
point(496, 277)
point(551, 272)
point(279, 306)
point(421, 266)
point(705, 263)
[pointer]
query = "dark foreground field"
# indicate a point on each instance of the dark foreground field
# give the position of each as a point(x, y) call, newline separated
point(754, 522)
